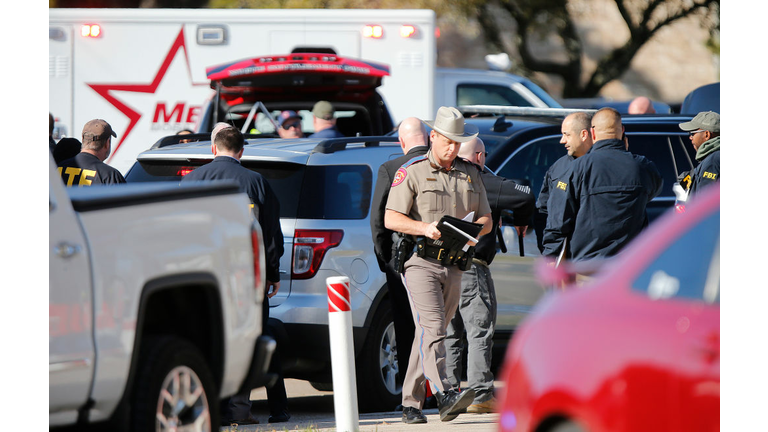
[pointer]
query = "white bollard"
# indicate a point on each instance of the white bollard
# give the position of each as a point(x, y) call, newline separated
point(342, 355)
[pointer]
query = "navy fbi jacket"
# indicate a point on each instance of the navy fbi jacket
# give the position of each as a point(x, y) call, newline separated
point(605, 199)
point(261, 195)
point(706, 173)
point(556, 175)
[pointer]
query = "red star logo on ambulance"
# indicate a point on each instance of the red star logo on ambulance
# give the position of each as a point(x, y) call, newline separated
point(171, 101)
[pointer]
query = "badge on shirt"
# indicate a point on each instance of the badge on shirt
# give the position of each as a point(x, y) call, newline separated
point(399, 177)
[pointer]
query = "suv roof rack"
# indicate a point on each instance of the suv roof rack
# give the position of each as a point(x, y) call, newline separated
point(196, 137)
point(515, 110)
point(333, 145)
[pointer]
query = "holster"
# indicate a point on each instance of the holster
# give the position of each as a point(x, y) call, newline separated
point(402, 250)
point(464, 262)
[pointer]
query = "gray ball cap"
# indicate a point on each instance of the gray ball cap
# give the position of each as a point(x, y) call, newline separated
point(449, 122)
point(708, 121)
point(323, 110)
point(97, 130)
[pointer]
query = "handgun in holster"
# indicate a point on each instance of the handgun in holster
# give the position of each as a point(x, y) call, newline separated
point(402, 247)
point(464, 261)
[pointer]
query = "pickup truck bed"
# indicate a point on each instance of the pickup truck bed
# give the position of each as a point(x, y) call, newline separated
point(153, 289)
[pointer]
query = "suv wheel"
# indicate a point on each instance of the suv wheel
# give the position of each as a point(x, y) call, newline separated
point(379, 378)
point(175, 389)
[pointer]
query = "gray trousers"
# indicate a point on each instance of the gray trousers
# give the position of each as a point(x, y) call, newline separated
point(476, 315)
point(433, 292)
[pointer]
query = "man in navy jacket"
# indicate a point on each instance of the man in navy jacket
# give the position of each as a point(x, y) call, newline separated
point(577, 139)
point(227, 147)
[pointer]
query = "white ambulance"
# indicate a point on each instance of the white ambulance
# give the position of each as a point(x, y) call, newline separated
point(144, 70)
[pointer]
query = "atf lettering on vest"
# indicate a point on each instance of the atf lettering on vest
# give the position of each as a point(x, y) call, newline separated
point(709, 175)
point(561, 185)
point(71, 173)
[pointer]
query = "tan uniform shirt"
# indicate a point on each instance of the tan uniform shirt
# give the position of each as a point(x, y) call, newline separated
point(424, 191)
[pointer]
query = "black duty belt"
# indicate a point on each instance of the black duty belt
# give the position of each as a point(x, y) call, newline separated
point(436, 252)
point(445, 255)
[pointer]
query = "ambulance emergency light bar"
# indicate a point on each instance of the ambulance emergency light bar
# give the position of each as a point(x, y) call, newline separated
point(375, 31)
point(370, 31)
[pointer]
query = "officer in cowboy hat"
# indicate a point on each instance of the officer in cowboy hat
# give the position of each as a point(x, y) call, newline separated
point(423, 190)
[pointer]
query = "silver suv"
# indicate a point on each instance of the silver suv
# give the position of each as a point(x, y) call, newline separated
point(325, 189)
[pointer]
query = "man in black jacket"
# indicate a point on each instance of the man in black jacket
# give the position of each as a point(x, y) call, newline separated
point(87, 167)
point(606, 195)
point(477, 308)
point(227, 147)
point(414, 142)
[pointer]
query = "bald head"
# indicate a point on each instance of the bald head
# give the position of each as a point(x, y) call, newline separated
point(473, 151)
point(641, 105)
point(412, 133)
point(606, 124)
point(217, 128)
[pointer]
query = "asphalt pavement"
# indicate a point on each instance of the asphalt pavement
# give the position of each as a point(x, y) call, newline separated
point(312, 411)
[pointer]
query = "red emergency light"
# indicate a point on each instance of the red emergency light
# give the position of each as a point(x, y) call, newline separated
point(184, 171)
point(90, 30)
point(373, 31)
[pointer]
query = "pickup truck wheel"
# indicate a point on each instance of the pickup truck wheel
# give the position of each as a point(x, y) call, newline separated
point(379, 379)
point(175, 389)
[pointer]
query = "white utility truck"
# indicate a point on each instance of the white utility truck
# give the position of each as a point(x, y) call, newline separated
point(144, 70)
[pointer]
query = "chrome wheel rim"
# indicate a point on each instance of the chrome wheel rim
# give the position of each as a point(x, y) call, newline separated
point(388, 365)
point(182, 405)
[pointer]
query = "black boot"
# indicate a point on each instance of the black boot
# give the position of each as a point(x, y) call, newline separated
point(413, 415)
point(453, 403)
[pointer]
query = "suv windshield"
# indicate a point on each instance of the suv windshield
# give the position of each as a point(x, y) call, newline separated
point(327, 192)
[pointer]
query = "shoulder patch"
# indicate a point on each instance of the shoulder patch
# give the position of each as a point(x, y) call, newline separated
point(561, 185)
point(399, 177)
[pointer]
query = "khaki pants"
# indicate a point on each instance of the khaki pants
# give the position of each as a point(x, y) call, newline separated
point(434, 292)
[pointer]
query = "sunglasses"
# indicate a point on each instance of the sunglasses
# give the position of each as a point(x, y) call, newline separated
point(484, 153)
point(692, 133)
point(292, 125)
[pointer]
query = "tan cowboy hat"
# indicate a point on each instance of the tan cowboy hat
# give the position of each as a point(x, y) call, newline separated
point(450, 123)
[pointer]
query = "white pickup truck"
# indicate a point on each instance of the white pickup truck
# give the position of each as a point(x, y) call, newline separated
point(155, 304)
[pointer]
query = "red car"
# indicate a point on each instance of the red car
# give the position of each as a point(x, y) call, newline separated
point(637, 348)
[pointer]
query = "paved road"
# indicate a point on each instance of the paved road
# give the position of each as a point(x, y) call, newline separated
point(312, 411)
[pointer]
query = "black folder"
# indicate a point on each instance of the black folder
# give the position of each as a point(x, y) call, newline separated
point(447, 232)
